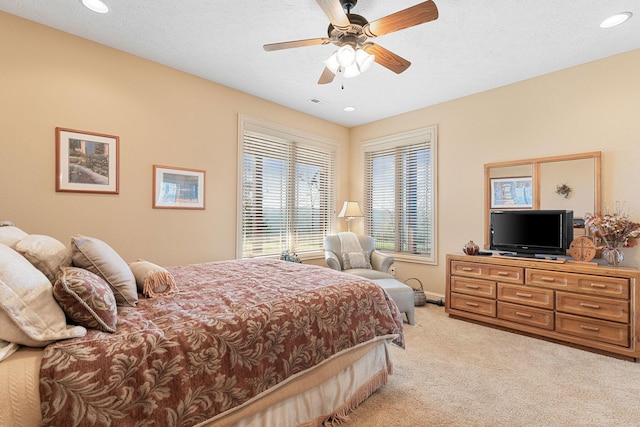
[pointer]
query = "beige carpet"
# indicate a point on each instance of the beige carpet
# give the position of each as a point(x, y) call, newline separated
point(455, 373)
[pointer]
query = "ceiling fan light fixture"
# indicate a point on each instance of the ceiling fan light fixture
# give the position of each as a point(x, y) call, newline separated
point(96, 6)
point(332, 63)
point(615, 20)
point(346, 55)
point(364, 60)
point(351, 71)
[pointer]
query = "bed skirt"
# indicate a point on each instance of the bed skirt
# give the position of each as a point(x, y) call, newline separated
point(325, 393)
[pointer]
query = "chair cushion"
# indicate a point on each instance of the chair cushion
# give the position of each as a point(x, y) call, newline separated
point(369, 274)
point(355, 260)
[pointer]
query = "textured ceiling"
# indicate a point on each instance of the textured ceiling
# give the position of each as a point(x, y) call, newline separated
point(472, 47)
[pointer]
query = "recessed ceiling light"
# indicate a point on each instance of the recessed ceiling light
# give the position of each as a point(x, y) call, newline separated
point(349, 109)
point(96, 6)
point(616, 19)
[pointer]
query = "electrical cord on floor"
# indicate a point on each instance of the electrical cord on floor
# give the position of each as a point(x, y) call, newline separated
point(439, 302)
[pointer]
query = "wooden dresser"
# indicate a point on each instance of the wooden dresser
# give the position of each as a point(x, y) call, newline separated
point(584, 305)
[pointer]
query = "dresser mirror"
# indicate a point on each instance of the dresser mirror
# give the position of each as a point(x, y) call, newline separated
point(569, 182)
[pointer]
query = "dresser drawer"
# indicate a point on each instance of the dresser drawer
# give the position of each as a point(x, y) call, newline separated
point(601, 308)
point(535, 297)
point(500, 273)
point(483, 306)
point(614, 287)
point(481, 288)
point(526, 315)
point(599, 330)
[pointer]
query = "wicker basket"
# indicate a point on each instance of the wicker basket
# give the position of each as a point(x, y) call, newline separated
point(419, 298)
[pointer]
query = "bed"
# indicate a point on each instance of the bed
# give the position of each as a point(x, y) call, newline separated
point(243, 343)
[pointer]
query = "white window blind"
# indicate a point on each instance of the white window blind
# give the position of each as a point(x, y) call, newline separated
point(287, 192)
point(400, 193)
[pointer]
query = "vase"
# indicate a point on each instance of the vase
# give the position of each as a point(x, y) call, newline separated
point(612, 255)
point(471, 248)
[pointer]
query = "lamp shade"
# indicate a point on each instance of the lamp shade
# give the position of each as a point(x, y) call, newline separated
point(364, 60)
point(346, 55)
point(350, 210)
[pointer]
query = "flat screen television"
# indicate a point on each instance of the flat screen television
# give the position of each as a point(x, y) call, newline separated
point(531, 232)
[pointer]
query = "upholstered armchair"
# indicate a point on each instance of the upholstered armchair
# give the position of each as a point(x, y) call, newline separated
point(380, 262)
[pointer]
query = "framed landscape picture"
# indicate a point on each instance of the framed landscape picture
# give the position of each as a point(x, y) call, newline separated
point(511, 193)
point(86, 162)
point(178, 188)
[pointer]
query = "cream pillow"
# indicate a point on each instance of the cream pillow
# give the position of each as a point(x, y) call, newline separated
point(10, 234)
point(99, 258)
point(45, 253)
point(152, 280)
point(29, 315)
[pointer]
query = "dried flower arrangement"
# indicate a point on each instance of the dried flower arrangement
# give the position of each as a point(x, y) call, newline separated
point(614, 228)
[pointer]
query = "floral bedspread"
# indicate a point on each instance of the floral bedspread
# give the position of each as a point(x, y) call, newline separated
point(235, 329)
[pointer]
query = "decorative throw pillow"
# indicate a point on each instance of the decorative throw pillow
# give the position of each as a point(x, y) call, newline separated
point(29, 315)
point(352, 260)
point(152, 280)
point(10, 234)
point(45, 253)
point(86, 298)
point(98, 257)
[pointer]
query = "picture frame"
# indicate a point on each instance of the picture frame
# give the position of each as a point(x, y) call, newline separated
point(87, 162)
point(178, 188)
point(512, 193)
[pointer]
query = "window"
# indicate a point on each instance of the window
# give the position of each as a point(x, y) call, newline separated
point(287, 190)
point(399, 200)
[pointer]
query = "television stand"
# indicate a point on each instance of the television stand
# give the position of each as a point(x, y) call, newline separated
point(583, 305)
point(519, 255)
point(532, 257)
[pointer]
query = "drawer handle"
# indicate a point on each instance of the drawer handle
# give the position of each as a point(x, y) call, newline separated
point(520, 294)
point(590, 328)
point(587, 305)
point(467, 269)
point(503, 273)
point(548, 279)
point(598, 285)
point(472, 304)
point(527, 315)
point(473, 286)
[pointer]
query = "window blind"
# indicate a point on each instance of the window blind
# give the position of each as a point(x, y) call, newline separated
point(288, 194)
point(399, 193)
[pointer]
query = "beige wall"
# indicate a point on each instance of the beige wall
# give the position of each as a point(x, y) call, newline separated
point(162, 116)
point(593, 107)
point(49, 78)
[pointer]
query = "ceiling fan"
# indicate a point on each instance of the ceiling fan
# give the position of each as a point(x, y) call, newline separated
point(350, 32)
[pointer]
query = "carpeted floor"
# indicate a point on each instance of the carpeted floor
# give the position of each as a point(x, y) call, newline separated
point(456, 373)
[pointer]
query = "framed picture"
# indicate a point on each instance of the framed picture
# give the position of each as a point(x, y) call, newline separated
point(86, 162)
point(511, 193)
point(178, 188)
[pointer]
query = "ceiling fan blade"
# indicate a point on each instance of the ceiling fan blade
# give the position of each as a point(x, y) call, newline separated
point(326, 77)
point(296, 43)
point(415, 15)
point(386, 58)
point(334, 11)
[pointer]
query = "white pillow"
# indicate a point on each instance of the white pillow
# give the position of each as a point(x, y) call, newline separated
point(29, 315)
point(45, 253)
point(10, 235)
point(99, 258)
